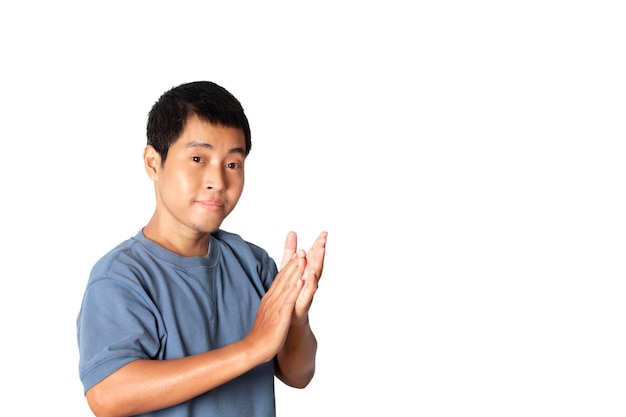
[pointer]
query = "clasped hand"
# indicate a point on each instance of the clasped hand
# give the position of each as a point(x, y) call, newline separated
point(289, 299)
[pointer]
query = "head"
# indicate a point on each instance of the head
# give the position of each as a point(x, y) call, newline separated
point(198, 140)
point(205, 99)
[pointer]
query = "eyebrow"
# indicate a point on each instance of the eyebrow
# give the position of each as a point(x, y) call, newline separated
point(200, 144)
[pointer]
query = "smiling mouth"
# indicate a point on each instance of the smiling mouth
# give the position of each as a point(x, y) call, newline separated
point(212, 205)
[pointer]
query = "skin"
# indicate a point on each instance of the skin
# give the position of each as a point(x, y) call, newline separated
point(199, 185)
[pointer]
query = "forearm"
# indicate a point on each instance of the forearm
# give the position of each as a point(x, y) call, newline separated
point(148, 385)
point(296, 359)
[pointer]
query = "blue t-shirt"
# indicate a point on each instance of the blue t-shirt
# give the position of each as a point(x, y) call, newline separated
point(145, 302)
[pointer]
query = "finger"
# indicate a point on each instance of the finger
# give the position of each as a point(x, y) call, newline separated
point(311, 276)
point(289, 277)
point(315, 256)
point(291, 243)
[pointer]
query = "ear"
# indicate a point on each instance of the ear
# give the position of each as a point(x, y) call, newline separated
point(151, 162)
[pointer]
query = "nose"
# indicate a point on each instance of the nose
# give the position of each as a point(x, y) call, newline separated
point(215, 178)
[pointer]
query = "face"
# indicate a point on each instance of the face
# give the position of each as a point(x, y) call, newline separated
point(202, 178)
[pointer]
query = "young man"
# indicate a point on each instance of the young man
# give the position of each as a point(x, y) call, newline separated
point(186, 319)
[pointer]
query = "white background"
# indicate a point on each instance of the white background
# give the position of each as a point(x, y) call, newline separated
point(466, 158)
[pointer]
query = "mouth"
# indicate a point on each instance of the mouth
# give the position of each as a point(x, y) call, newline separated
point(211, 205)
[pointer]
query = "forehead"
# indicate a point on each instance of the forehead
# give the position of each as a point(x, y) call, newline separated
point(198, 132)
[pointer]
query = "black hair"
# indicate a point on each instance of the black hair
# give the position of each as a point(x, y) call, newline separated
point(209, 101)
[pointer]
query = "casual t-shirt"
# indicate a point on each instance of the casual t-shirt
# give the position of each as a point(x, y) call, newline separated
point(145, 302)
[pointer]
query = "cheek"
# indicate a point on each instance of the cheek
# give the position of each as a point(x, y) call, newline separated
point(235, 184)
point(180, 186)
point(235, 189)
point(182, 183)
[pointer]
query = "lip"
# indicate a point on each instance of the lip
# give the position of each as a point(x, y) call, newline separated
point(213, 205)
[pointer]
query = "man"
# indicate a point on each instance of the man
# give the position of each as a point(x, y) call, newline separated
point(186, 319)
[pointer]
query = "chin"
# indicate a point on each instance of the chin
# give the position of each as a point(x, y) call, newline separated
point(206, 228)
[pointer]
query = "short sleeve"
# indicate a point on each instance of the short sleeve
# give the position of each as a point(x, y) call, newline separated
point(116, 325)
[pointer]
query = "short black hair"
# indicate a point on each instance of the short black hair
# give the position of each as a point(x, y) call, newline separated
point(207, 100)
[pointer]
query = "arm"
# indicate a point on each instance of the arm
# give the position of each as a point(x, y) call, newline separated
point(295, 362)
point(147, 385)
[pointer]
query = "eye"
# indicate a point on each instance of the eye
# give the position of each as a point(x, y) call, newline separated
point(197, 159)
point(232, 165)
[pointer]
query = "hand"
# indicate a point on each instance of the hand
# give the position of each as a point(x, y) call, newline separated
point(312, 273)
point(274, 316)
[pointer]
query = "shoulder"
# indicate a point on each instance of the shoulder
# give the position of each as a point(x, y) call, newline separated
point(233, 249)
point(237, 244)
point(104, 264)
point(127, 261)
